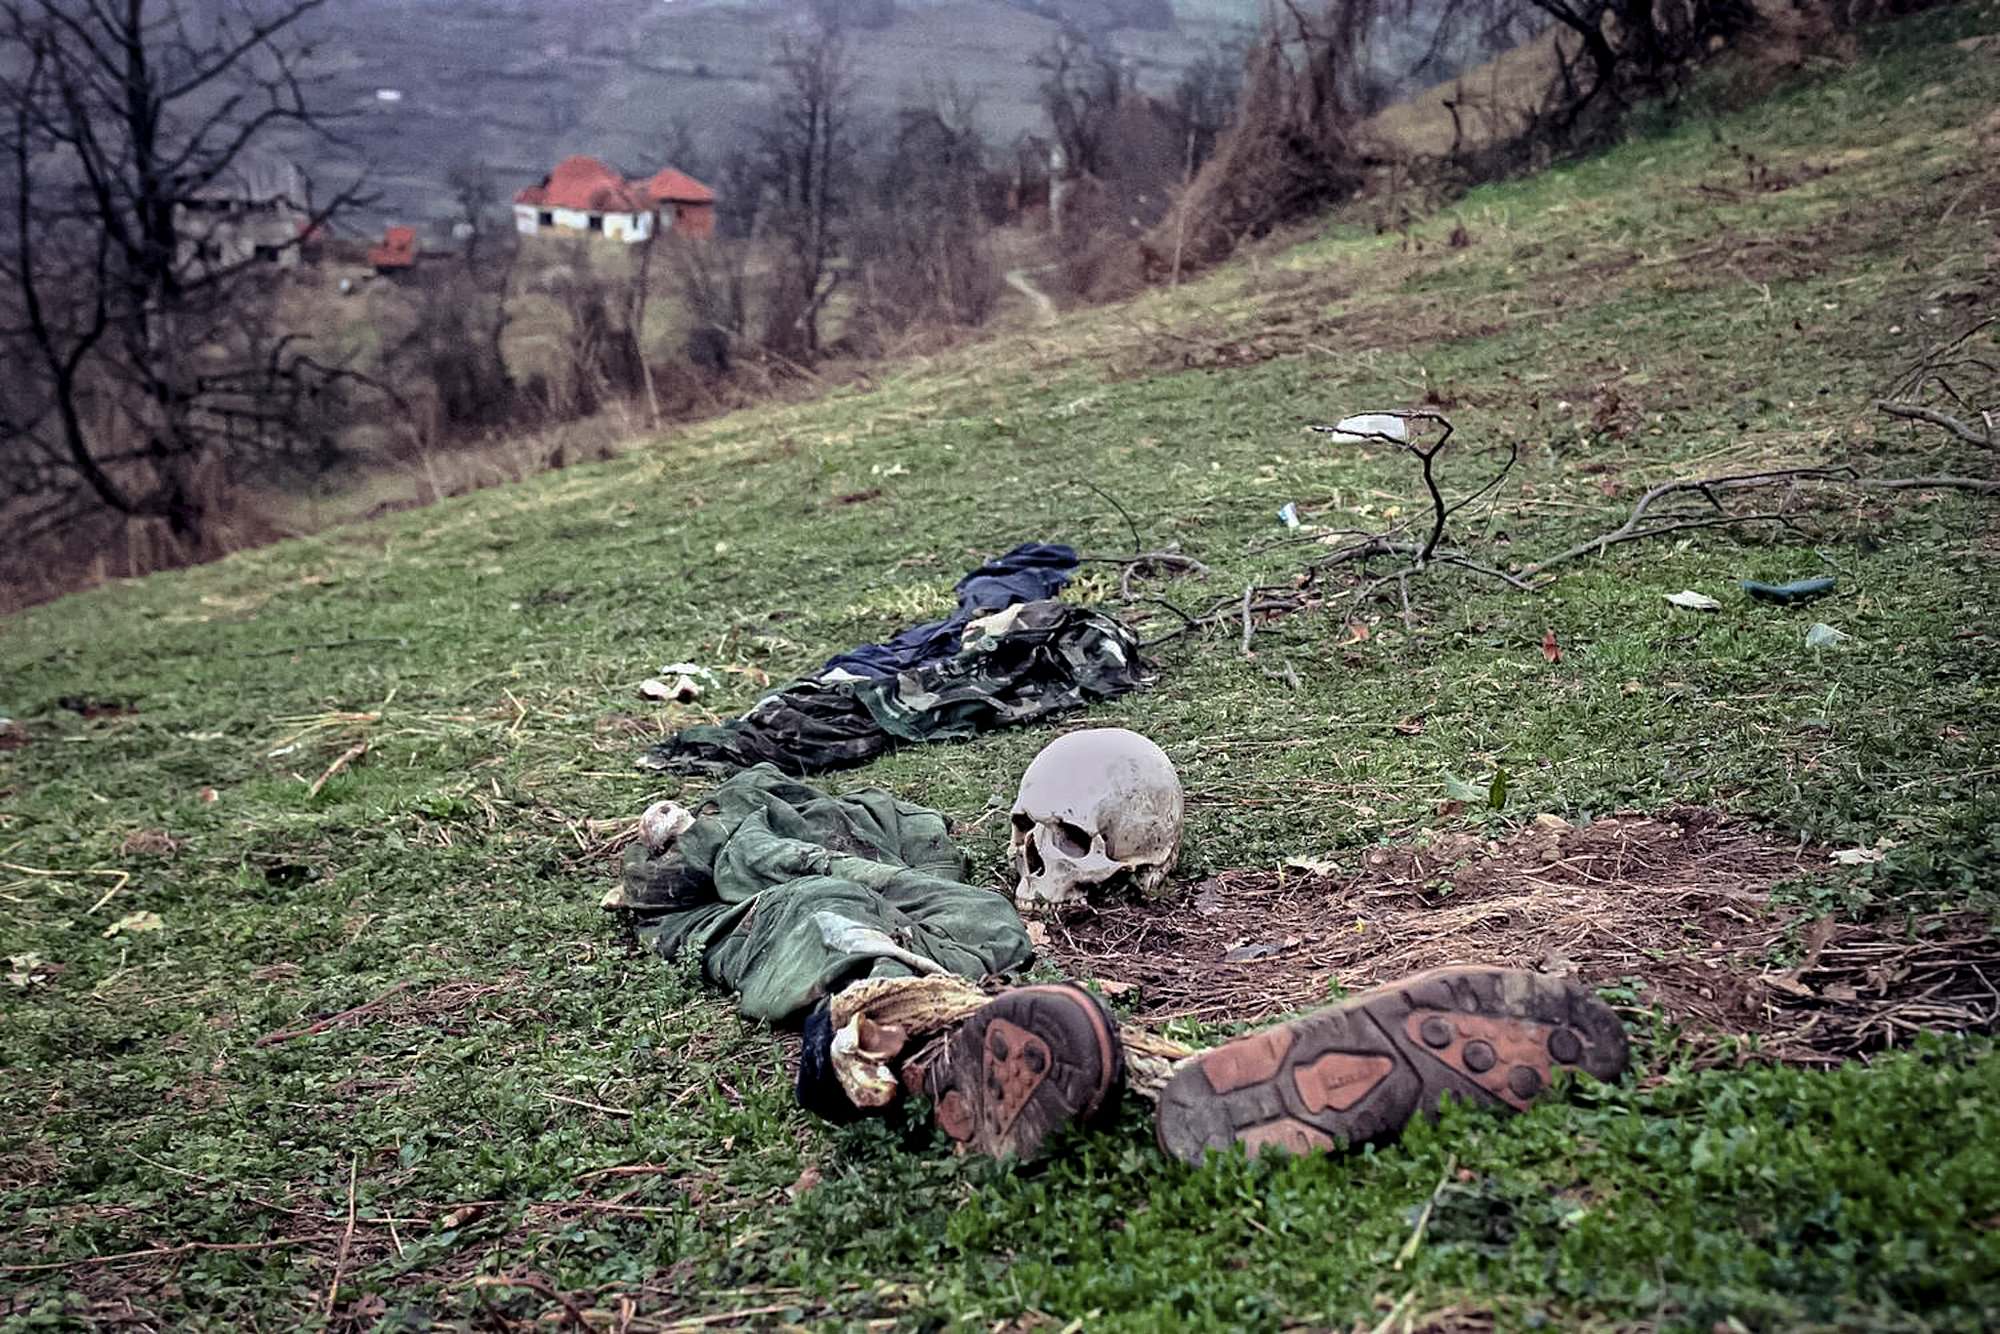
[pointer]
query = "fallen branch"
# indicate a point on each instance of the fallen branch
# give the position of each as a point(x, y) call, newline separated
point(1652, 515)
point(1636, 525)
point(1979, 485)
point(1427, 455)
point(1144, 561)
point(1984, 439)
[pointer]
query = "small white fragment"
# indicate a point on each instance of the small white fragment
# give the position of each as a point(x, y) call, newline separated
point(1822, 635)
point(1366, 426)
point(1694, 601)
point(1289, 515)
point(132, 923)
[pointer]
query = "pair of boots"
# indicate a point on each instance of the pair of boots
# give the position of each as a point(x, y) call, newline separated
point(1038, 1058)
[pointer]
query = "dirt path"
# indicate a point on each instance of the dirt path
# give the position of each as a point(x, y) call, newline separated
point(1045, 309)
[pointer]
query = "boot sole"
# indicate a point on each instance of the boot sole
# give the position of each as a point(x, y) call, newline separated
point(1356, 1073)
point(1025, 1065)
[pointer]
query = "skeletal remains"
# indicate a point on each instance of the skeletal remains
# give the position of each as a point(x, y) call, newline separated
point(1095, 807)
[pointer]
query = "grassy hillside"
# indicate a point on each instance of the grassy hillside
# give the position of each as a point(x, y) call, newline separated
point(391, 763)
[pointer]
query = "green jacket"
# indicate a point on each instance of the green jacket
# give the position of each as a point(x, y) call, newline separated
point(787, 895)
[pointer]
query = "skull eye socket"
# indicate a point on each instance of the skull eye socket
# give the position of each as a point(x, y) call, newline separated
point(1072, 839)
point(1024, 823)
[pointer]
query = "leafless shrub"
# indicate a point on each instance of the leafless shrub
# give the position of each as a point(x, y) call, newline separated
point(1295, 147)
point(924, 254)
point(807, 177)
point(135, 295)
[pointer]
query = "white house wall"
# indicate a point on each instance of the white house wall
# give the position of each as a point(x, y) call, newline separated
point(626, 227)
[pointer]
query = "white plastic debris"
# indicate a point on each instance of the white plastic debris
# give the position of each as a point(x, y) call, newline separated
point(1693, 601)
point(1822, 635)
point(1289, 515)
point(1366, 426)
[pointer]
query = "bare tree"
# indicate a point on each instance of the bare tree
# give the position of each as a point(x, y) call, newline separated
point(477, 196)
point(807, 156)
point(923, 247)
point(684, 148)
point(1081, 90)
point(1204, 103)
point(142, 220)
point(1611, 52)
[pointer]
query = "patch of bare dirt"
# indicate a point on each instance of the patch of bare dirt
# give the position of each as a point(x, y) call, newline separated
point(1676, 907)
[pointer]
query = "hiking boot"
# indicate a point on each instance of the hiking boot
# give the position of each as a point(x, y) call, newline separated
point(1024, 1065)
point(1358, 1072)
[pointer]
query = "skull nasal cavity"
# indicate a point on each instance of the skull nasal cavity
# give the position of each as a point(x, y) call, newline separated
point(1072, 839)
point(1035, 866)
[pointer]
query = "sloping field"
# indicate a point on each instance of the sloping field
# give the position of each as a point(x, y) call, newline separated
point(310, 1016)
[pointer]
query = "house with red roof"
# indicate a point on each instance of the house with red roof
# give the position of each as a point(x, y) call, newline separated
point(683, 203)
point(396, 252)
point(583, 195)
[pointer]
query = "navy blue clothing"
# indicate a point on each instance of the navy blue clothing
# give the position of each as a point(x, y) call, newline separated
point(1031, 572)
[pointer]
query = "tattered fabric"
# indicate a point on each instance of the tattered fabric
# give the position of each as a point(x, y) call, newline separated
point(787, 895)
point(1015, 666)
point(1031, 572)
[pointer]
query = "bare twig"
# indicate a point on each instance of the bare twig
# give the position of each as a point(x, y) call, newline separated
point(282, 650)
point(1409, 1251)
point(1144, 560)
point(1123, 513)
point(346, 1237)
point(352, 753)
point(1913, 377)
point(1979, 485)
point(1641, 523)
point(591, 1106)
point(287, 1034)
point(1248, 630)
point(163, 1252)
point(1983, 439)
point(540, 1287)
point(1428, 455)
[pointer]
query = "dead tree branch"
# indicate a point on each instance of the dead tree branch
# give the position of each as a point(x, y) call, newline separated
point(1985, 438)
point(1681, 505)
point(1924, 391)
point(1643, 523)
point(1123, 513)
point(1428, 455)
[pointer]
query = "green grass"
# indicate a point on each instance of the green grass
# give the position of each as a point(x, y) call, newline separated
point(1604, 319)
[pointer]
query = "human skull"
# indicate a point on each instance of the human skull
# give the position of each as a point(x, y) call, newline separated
point(1094, 807)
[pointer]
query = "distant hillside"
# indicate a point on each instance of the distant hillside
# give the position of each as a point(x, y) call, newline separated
point(426, 85)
